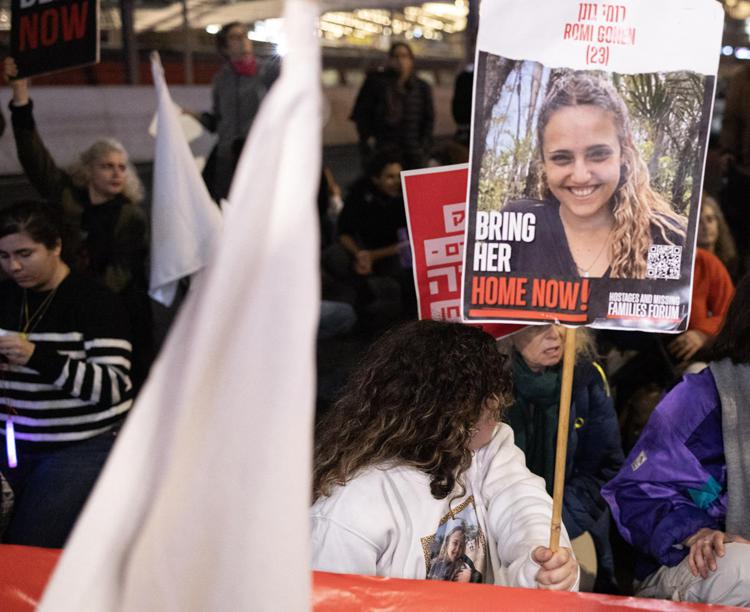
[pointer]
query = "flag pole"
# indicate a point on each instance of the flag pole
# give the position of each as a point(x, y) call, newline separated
point(569, 359)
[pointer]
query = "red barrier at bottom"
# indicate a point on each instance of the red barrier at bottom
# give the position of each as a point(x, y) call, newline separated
point(24, 571)
point(344, 592)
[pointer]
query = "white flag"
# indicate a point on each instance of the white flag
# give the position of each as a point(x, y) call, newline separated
point(185, 222)
point(203, 505)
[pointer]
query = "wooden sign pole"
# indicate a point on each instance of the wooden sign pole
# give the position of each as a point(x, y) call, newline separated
point(566, 388)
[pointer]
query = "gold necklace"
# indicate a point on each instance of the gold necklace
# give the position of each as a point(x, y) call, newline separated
point(584, 272)
point(27, 323)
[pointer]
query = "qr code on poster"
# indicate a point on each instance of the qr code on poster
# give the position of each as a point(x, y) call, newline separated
point(664, 262)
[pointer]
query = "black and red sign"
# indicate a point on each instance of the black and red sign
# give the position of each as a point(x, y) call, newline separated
point(51, 35)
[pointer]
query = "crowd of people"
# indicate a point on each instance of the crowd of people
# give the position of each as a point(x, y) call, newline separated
point(435, 453)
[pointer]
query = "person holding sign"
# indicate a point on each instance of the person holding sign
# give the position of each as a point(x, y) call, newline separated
point(594, 446)
point(600, 215)
point(104, 226)
point(104, 223)
point(64, 377)
point(415, 478)
point(682, 497)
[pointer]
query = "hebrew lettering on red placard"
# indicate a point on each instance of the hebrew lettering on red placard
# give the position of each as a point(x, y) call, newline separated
point(442, 251)
point(451, 274)
point(454, 216)
point(446, 310)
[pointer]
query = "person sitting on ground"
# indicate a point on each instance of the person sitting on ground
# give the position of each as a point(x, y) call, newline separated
point(372, 236)
point(594, 447)
point(64, 377)
point(372, 216)
point(712, 294)
point(681, 498)
point(715, 237)
point(412, 447)
point(104, 222)
point(104, 226)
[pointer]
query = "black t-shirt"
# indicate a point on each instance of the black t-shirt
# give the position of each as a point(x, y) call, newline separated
point(371, 217)
point(97, 230)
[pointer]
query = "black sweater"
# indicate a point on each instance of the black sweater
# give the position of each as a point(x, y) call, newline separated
point(77, 382)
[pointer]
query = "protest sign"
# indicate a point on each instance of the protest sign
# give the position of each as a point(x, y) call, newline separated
point(588, 142)
point(436, 212)
point(51, 35)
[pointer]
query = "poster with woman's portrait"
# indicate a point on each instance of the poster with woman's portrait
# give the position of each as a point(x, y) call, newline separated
point(457, 551)
point(589, 138)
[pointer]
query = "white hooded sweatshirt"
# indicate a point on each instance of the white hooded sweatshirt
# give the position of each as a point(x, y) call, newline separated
point(385, 522)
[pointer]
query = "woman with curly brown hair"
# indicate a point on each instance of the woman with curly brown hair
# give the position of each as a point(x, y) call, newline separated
point(600, 215)
point(412, 449)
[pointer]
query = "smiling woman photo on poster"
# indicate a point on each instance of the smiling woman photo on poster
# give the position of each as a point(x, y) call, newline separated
point(599, 215)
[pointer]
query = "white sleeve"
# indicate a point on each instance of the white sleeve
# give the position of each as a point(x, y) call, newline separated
point(336, 548)
point(519, 509)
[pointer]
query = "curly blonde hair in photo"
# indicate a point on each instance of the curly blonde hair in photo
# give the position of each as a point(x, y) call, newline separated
point(636, 206)
point(80, 172)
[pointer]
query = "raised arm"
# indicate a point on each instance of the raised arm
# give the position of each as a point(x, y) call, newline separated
point(37, 163)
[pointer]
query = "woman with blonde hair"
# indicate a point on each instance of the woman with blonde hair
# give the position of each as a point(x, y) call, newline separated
point(594, 447)
point(413, 443)
point(714, 235)
point(596, 189)
point(452, 563)
point(103, 224)
point(712, 287)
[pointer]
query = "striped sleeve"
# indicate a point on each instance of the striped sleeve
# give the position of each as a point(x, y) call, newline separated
point(101, 376)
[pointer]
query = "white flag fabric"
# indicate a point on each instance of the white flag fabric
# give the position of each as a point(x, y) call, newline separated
point(185, 221)
point(204, 502)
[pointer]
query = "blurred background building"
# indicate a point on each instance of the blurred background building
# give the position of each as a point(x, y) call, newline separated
point(355, 35)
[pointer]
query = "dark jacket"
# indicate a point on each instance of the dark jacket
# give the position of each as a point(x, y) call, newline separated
point(371, 217)
point(396, 116)
point(236, 101)
point(594, 449)
point(109, 241)
point(594, 456)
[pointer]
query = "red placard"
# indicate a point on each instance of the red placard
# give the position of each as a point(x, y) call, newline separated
point(435, 200)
